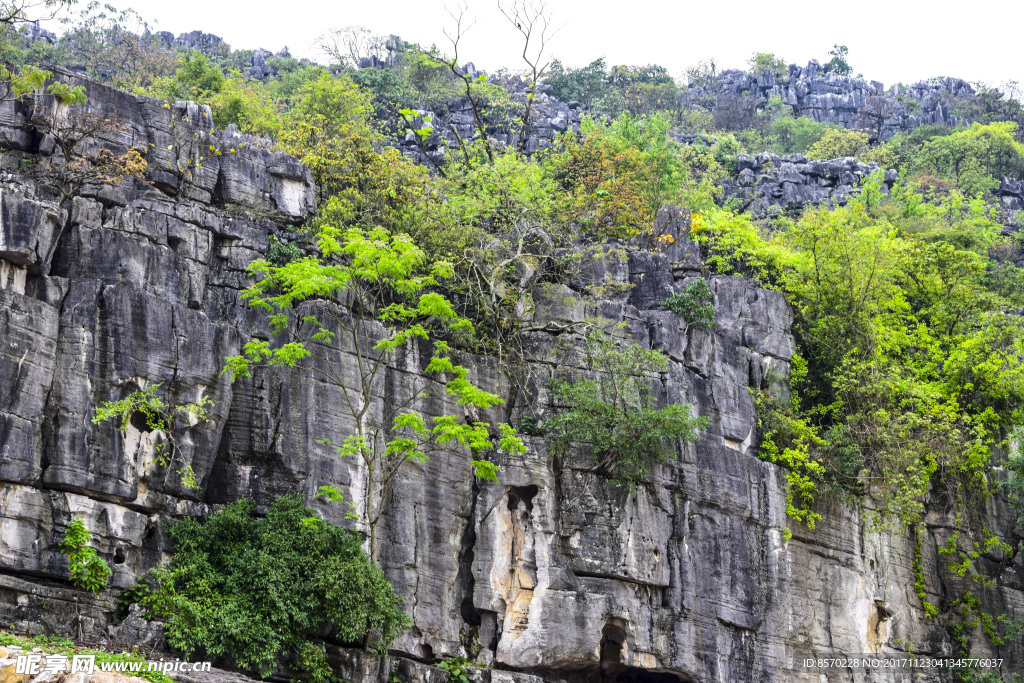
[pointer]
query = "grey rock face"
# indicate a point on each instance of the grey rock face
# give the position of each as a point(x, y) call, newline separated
point(549, 118)
point(831, 98)
point(768, 183)
point(1011, 198)
point(553, 574)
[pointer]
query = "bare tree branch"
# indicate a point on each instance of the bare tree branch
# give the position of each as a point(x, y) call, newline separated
point(533, 21)
point(455, 36)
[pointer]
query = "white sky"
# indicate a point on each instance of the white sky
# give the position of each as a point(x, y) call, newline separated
point(898, 40)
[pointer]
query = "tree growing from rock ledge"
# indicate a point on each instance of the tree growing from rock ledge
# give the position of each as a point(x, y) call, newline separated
point(345, 316)
point(78, 157)
point(615, 415)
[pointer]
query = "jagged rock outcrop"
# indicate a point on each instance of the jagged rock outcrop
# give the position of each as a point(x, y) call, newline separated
point(831, 98)
point(549, 118)
point(554, 573)
point(1011, 198)
point(767, 182)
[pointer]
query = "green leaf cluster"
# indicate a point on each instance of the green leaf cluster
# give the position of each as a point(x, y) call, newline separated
point(694, 304)
point(912, 371)
point(88, 571)
point(615, 415)
point(160, 417)
point(254, 590)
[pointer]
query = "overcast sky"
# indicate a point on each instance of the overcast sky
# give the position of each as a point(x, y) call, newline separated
point(899, 40)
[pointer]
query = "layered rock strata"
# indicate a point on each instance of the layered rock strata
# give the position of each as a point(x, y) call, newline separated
point(554, 573)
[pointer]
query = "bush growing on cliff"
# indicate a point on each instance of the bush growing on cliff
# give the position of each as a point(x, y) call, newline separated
point(796, 135)
point(976, 158)
point(253, 590)
point(767, 62)
point(617, 176)
point(146, 411)
point(615, 415)
point(913, 370)
point(88, 571)
point(248, 105)
point(838, 142)
point(693, 304)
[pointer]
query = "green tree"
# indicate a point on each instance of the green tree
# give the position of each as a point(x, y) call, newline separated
point(196, 78)
point(333, 103)
point(391, 305)
point(838, 63)
point(583, 85)
point(615, 415)
point(249, 105)
point(837, 143)
point(112, 46)
point(254, 590)
point(88, 571)
point(761, 62)
point(977, 157)
point(18, 81)
point(797, 135)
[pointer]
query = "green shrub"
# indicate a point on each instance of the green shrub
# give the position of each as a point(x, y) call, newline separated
point(796, 135)
point(761, 62)
point(838, 142)
point(456, 668)
point(838, 63)
point(615, 415)
point(88, 571)
point(253, 590)
point(693, 303)
point(281, 253)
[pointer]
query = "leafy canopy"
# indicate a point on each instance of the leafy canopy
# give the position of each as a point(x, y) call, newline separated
point(88, 571)
point(615, 415)
point(909, 367)
point(253, 589)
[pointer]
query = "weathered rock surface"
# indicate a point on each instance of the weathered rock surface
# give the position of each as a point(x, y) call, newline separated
point(549, 118)
point(831, 98)
point(553, 574)
point(767, 182)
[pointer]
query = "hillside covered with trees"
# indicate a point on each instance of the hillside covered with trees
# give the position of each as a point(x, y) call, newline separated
point(774, 315)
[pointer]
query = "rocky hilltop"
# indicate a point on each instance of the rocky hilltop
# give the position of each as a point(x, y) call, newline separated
point(552, 574)
point(833, 98)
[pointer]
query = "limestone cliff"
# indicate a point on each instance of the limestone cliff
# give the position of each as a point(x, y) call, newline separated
point(554, 573)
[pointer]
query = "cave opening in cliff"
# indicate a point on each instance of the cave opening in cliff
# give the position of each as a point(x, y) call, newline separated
point(521, 494)
point(139, 421)
point(612, 638)
point(612, 670)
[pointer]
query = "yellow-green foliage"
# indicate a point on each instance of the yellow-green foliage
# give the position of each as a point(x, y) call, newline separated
point(838, 142)
point(913, 369)
point(977, 157)
point(761, 62)
point(616, 176)
point(249, 105)
point(920, 588)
